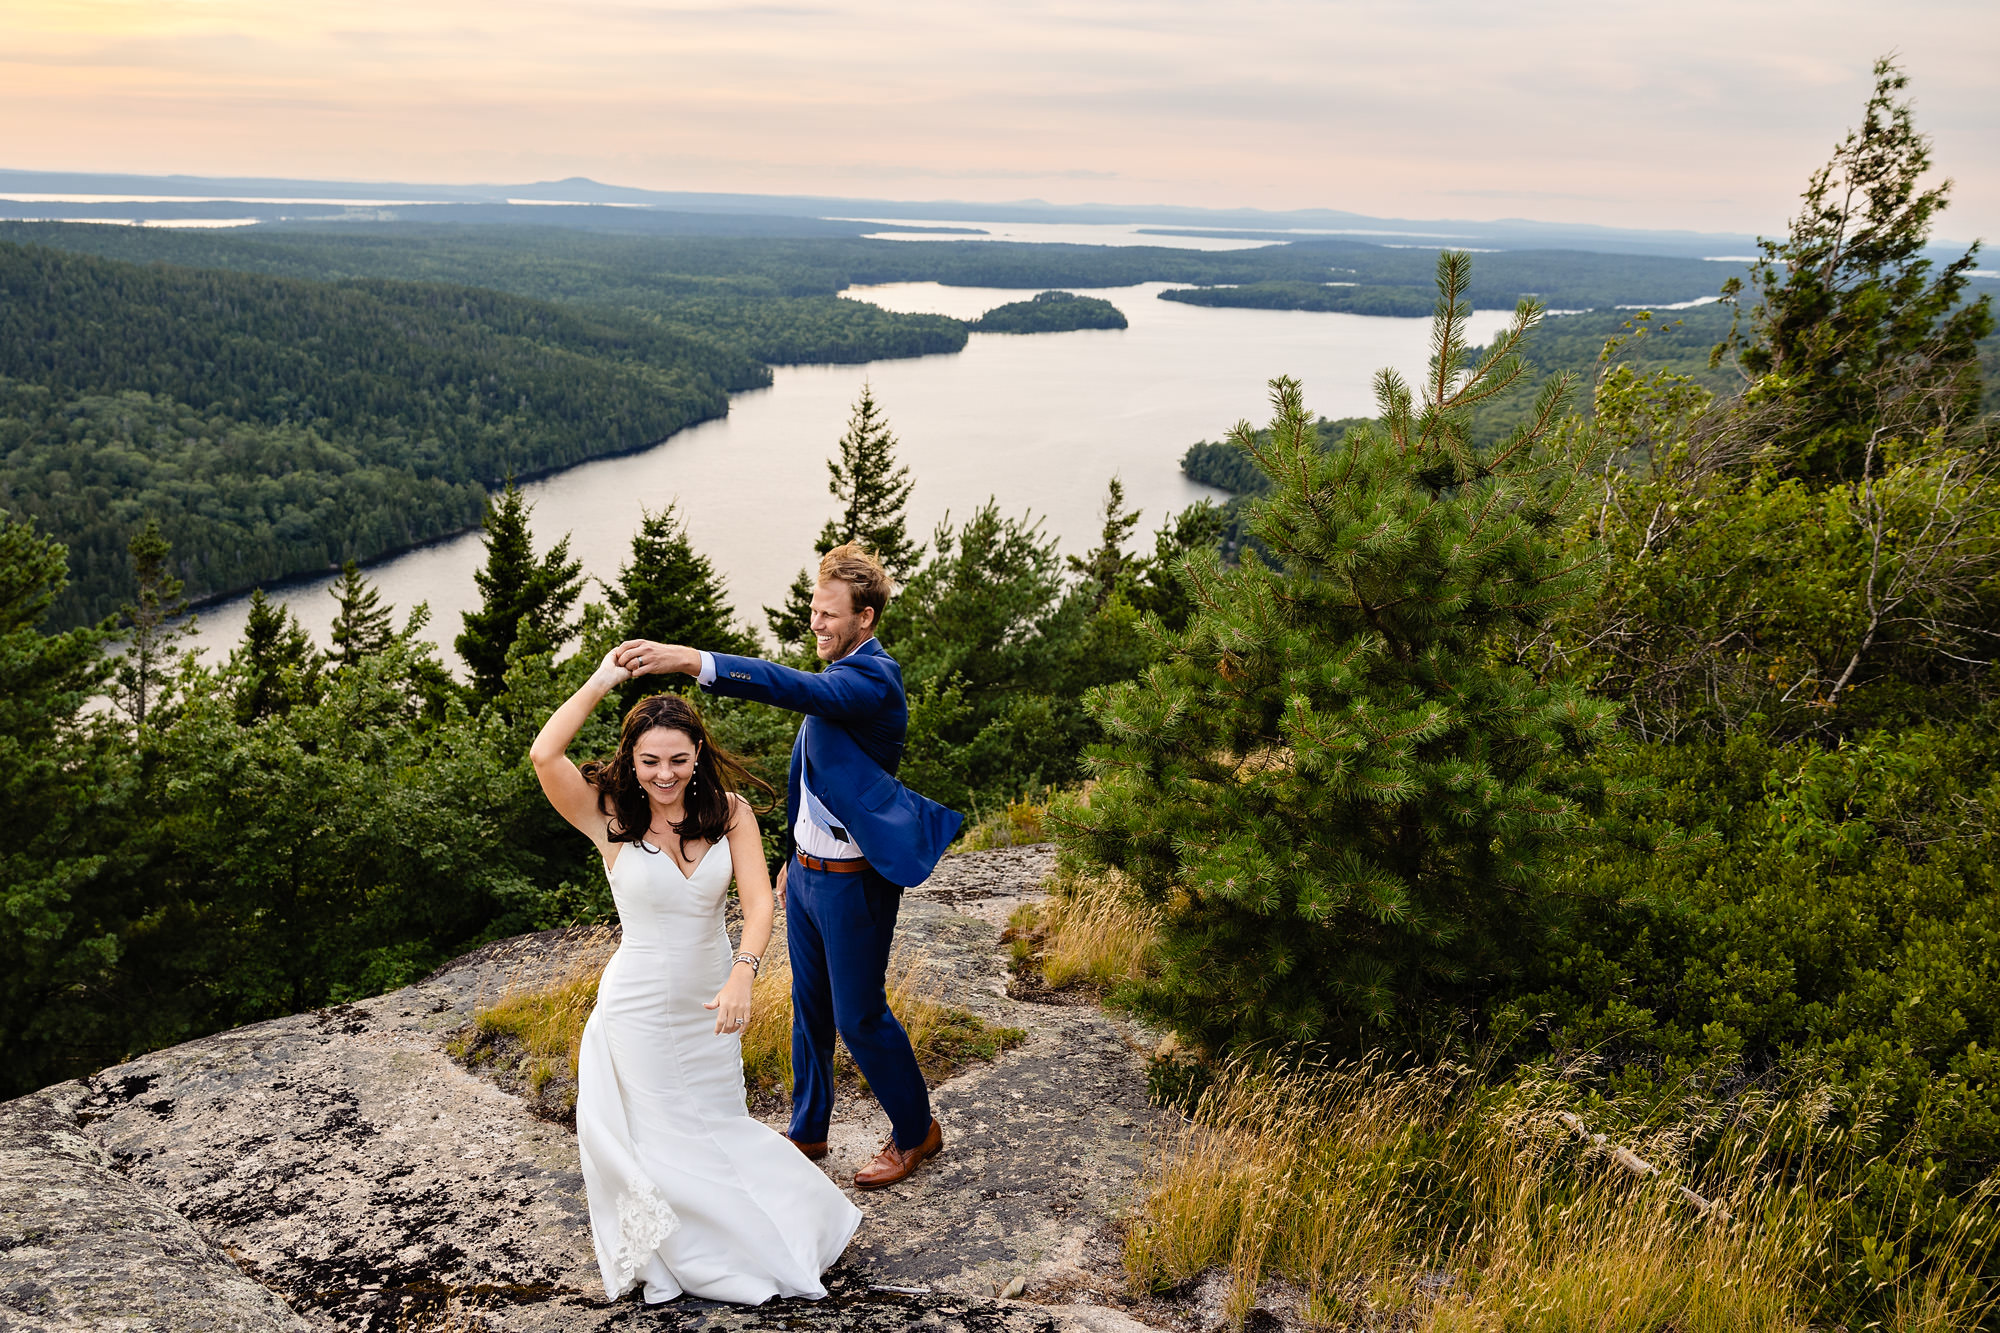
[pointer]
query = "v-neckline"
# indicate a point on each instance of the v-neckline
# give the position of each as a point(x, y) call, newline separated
point(687, 876)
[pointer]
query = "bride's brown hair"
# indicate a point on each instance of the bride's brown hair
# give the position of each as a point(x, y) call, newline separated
point(717, 774)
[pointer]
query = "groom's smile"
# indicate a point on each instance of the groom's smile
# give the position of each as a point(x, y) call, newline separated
point(838, 628)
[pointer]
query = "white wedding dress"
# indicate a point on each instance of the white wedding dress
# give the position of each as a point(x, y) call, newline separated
point(687, 1192)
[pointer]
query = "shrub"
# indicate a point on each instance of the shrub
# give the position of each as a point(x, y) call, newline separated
point(1838, 919)
point(1018, 823)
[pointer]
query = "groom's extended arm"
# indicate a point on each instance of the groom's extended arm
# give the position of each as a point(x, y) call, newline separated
point(856, 686)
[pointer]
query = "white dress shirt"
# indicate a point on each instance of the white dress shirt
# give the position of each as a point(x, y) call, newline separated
point(812, 832)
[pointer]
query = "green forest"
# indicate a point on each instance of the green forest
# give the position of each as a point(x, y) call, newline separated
point(1608, 727)
point(278, 425)
point(286, 400)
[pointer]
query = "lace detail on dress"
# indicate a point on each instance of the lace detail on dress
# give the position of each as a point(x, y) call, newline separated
point(645, 1220)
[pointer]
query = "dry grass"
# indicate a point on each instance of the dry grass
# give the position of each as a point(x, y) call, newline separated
point(767, 1041)
point(1021, 823)
point(944, 1036)
point(1091, 933)
point(1432, 1201)
point(532, 1035)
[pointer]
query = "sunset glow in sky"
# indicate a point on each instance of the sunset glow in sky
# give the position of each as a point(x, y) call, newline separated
point(1703, 114)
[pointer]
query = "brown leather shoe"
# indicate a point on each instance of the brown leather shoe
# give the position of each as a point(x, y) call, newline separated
point(893, 1163)
point(813, 1151)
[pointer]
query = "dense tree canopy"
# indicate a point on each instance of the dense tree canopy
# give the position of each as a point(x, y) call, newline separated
point(276, 426)
point(286, 400)
point(751, 277)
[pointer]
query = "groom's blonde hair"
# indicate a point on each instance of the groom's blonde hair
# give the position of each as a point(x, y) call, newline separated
point(867, 582)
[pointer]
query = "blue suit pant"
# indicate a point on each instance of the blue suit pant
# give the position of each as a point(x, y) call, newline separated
point(838, 929)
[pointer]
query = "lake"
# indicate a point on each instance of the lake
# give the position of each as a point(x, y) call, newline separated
point(1039, 422)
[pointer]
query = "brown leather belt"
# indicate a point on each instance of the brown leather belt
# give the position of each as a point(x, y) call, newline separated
point(853, 866)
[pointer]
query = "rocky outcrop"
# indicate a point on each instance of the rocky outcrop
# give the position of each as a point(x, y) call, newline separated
point(81, 1246)
point(337, 1170)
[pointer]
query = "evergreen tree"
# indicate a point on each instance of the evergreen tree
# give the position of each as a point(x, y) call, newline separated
point(522, 597)
point(998, 651)
point(1820, 554)
point(1104, 566)
point(874, 491)
point(361, 627)
point(1343, 797)
point(791, 623)
point(1157, 584)
point(60, 778)
point(1851, 330)
point(276, 666)
point(671, 593)
point(144, 676)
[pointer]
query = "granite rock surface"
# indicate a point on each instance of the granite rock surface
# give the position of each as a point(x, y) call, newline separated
point(81, 1246)
point(338, 1170)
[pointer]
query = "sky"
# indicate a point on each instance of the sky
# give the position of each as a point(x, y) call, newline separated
point(1703, 114)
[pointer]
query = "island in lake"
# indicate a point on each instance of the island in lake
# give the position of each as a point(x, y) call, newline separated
point(1050, 312)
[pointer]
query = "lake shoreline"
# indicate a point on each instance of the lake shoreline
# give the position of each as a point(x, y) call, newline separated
point(1032, 423)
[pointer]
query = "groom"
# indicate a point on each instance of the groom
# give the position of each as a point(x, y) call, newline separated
point(859, 836)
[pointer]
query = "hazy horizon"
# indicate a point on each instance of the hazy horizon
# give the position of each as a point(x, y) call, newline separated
point(1556, 112)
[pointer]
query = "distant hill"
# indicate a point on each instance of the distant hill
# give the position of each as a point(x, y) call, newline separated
point(1506, 233)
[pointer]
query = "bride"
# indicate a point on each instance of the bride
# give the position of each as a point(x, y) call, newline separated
point(687, 1192)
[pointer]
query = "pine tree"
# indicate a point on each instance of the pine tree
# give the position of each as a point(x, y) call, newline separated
point(61, 784)
point(791, 623)
point(671, 593)
point(145, 675)
point(874, 492)
point(1104, 566)
point(1156, 584)
point(276, 667)
point(1851, 331)
point(1339, 791)
point(522, 598)
point(361, 627)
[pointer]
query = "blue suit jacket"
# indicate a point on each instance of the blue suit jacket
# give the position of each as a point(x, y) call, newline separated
point(856, 718)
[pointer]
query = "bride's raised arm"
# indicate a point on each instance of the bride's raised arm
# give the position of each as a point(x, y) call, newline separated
point(573, 798)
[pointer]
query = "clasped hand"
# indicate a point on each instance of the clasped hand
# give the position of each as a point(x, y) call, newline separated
point(643, 657)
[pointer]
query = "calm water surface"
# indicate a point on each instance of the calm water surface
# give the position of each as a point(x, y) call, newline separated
point(1038, 422)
